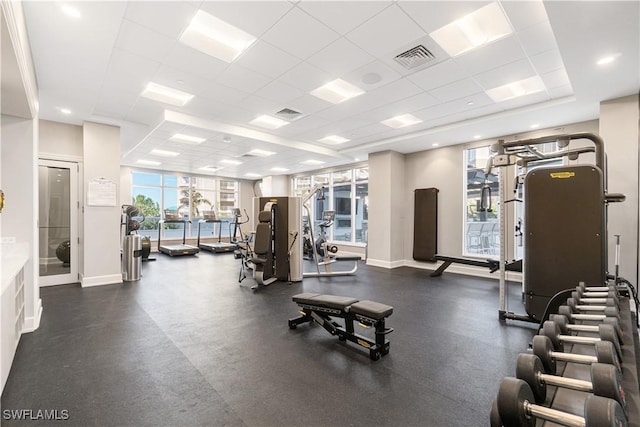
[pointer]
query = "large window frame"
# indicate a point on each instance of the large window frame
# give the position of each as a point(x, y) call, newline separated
point(178, 191)
point(346, 193)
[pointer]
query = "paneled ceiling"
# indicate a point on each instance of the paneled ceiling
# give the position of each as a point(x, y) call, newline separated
point(94, 67)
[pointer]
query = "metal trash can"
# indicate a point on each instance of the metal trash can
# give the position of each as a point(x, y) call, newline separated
point(131, 257)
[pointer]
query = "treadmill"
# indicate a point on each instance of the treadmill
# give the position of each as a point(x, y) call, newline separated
point(173, 217)
point(219, 246)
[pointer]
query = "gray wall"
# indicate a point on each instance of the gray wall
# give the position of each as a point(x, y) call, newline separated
point(60, 141)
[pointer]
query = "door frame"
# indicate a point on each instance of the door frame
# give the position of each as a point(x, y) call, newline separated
point(72, 276)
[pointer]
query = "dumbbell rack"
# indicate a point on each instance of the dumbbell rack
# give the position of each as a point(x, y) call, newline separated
point(571, 401)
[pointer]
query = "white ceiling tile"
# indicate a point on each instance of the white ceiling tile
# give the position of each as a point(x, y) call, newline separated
point(537, 39)
point(309, 104)
point(340, 57)
point(377, 69)
point(407, 105)
point(279, 92)
point(259, 105)
point(522, 101)
point(254, 17)
point(299, 34)
point(343, 16)
point(144, 42)
point(506, 74)
point(555, 78)
point(221, 93)
point(439, 75)
point(145, 111)
point(431, 15)
point(166, 17)
point(130, 71)
point(306, 77)
point(547, 61)
point(303, 125)
point(265, 59)
point(243, 79)
point(385, 34)
point(494, 55)
point(460, 89)
point(525, 13)
point(560, 91)
point(195, 62)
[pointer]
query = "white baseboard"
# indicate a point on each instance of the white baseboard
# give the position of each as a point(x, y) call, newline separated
point(32, 323)
point(111, 279)
point(385, 264)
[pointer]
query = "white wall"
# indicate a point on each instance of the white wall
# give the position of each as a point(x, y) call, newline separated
point(277, 185)
point(20, 215)
point(60, 141)
point(619, 119)
point(101, 148)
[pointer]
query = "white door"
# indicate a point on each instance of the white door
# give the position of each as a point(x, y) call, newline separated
point(58, 222)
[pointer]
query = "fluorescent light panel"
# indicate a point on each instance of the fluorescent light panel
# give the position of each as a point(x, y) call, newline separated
point(65, 111)
point(164, 153)
point(148, 162)
point(476, 29)
point(404, 120)
point(337, 91)
point(260, 153)
point(277, 169)
point(231, 162)
point(210, 168)
point(607, 59)
point(515, 89)
point(334, 140)
point(252, 175)
point(269, 122)
point(313, 162)
point(216, 37)
point(166, 94)
point(70, 11)
point(187, 139)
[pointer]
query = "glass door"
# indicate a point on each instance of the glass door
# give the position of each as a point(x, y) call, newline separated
point(57, 222)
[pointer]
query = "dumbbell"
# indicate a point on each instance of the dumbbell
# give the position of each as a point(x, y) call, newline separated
point(576, 306)
point(566, 328)
point(606, 332)
point(565, 310)
point(606, 298)
point(606, 380)
point(515, 409)
point(543, 348)
point(584, 288)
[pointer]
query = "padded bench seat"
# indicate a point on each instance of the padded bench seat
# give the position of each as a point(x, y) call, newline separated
point(371, 309)
point(328, 301)
point(319, 308)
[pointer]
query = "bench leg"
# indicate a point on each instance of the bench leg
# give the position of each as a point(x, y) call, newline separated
point(441, 269)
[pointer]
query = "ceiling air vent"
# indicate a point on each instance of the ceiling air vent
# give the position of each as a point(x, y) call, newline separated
point(289, 114)
point(415, 57)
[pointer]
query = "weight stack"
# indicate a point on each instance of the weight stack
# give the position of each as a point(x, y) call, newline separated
point(564, 232)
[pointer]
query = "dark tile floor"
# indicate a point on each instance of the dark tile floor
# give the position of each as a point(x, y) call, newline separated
point(188, 346)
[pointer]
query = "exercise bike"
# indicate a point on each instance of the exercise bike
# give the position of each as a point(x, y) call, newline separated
point(323, 248)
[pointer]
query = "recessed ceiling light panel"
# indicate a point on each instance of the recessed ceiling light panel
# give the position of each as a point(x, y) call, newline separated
point(210, 168)
point(260, 153)
point(476, 29)
point(166, 94)
point(277, 169)
point(334, 140)
point(187, 139)
point(268, 122)
point(70, 11)
point(313, 162)
point(607, 59)
point(231, 162)
point(252, 175)
point(513, 90)
point(164, 153)
point(337, 91)
point(216, 37)
point(148, 162)
point(404, 120)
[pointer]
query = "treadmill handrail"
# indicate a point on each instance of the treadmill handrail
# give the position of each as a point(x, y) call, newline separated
point(173, 221)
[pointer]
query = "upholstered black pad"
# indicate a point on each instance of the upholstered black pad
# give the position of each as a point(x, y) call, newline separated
point(371, 309)
point(329, 301)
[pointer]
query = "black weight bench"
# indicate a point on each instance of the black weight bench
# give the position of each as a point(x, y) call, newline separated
point(320, 308)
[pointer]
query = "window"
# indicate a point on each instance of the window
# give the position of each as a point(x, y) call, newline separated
point(481, 225)
point(189, 195)
point(346, 193)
